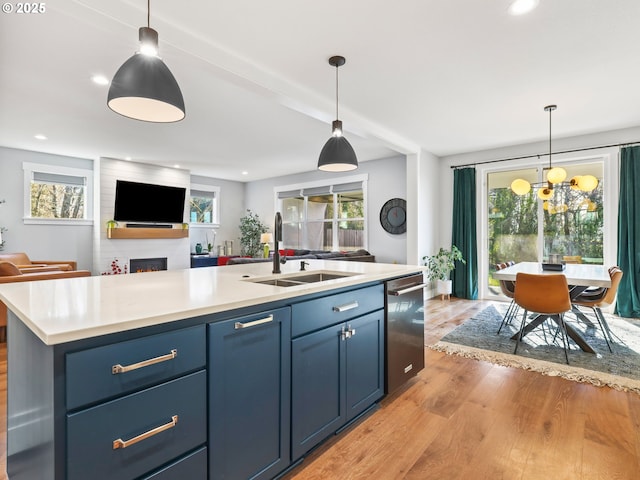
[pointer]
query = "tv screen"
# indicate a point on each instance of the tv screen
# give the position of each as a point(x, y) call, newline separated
point(144, 202)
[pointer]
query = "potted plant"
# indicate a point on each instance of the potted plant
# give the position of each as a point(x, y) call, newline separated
point(250, 230)
point(439, 267)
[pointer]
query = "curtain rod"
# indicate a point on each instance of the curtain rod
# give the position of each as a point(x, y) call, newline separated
point(538, 155)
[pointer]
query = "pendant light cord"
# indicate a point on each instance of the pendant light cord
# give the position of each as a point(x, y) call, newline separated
point(550, 110)
point(337, 117)
point(148, 13)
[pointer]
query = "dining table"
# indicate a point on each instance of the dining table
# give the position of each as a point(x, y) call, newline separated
point(579, 278)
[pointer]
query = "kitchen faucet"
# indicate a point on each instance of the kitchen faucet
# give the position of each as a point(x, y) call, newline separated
point(277, 237)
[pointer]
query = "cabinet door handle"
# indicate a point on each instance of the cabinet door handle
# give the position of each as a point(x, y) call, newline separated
point(163, 358)
point(352, 331)
point(345, 307)
point(119, 443)
point(343, 334)
point(239, 325)
point(402, 291)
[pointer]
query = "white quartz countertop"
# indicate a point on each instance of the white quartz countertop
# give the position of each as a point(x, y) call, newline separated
point(69, 309)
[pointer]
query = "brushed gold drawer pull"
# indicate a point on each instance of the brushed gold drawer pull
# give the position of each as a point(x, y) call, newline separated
point(344, 308)
point(239, 325)
point(152, 361)
point(119, 443)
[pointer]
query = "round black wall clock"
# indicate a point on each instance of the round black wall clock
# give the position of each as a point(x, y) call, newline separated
point(393, 216)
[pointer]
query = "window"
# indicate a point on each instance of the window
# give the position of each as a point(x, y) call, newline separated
point(55, 194)
point(524, 228)
point(326, 217)
point(203, 206)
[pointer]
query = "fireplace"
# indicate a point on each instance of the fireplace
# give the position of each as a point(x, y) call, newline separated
point(137, 265)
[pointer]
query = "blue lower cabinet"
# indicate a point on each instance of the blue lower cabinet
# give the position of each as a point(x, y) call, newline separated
point(109, 371)
point(249, 392)
point(365, 365)
point(337, 373)
point(317, 388)
point(131, 436)
point(190, 467)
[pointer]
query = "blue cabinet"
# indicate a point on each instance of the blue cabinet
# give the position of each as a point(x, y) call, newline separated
point(249, 378)
point(337, 373)
point(130, 436)
point(198, 261)
point(113, 370)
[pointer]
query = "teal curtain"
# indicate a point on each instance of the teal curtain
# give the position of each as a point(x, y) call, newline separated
point(465, 276)
point(628, 301)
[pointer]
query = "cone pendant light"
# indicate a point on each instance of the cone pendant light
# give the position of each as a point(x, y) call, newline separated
point(144, 88)
point(337, 155)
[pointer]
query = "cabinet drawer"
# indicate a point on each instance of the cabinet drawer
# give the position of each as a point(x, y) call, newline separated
point(168, 420)
point(191, 467)
point(146, 361)
point(322, 312)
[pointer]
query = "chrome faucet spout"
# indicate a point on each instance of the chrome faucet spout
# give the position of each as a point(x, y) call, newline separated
point(277, 237)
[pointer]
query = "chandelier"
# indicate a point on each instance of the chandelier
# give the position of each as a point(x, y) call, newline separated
point(555, 177)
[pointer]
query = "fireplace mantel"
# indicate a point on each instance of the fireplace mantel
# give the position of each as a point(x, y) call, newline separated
point(147, 233)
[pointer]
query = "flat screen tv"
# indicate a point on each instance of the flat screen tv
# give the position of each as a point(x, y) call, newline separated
point(144, 202)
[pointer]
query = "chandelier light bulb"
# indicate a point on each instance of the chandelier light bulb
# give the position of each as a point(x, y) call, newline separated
point(545, 193)
point(520, 186)
point(587, 183)
point(556, 175)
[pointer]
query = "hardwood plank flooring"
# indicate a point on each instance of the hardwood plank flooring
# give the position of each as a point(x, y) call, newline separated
point(466, 419)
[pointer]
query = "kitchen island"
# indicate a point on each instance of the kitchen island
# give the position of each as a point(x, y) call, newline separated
point(199, 373)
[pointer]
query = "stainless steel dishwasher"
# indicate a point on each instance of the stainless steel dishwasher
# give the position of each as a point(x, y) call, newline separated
point(404, 333)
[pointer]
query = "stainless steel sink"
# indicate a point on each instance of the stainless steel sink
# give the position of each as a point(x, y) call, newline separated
point(319, 277)
point(300, 278)
point(279, 282)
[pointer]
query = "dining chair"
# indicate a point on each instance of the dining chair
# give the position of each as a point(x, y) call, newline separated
point(546, 295)
point(507, 287)
point(599, 299)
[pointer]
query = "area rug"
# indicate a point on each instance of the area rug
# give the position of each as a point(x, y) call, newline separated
point(540, 352)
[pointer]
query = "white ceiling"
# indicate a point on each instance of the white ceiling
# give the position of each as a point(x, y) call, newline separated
point(447, 76)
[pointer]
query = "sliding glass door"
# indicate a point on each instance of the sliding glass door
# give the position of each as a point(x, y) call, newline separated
point(525, 228)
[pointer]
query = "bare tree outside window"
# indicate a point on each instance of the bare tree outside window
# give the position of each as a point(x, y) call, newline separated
point(57, 200)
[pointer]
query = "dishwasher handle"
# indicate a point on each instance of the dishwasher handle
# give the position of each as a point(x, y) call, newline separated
point(402, 291)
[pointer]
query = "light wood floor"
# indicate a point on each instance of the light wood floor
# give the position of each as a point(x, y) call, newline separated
point(465, 419)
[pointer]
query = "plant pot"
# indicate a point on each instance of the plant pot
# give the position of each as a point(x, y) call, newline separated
point(443, 287)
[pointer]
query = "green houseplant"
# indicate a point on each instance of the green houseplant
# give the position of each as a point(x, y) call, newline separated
point(250, 230)
point(440, 266)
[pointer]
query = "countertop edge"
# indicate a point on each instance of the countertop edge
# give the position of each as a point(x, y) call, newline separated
point(274, 294)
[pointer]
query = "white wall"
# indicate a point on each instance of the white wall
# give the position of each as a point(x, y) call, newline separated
point(386, 180)
point(424, 205)
point(40, 242)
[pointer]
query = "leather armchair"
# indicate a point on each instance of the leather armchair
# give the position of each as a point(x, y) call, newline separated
point(26, 265)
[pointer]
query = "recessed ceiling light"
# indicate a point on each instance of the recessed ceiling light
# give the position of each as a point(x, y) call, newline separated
point(520, 7)
point(100, 80)
point(245, 173)
point(176, 166)
point(128, 159)
point(40, 137)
